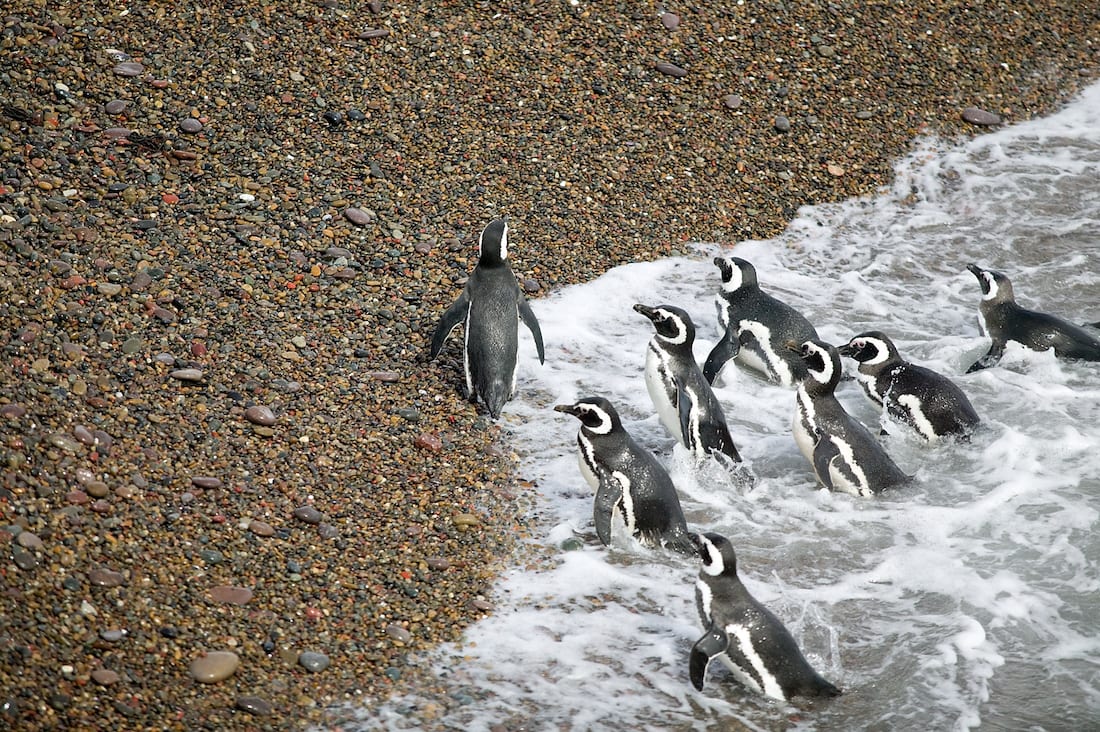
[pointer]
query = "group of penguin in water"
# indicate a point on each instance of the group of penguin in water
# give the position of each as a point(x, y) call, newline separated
point(768, 337)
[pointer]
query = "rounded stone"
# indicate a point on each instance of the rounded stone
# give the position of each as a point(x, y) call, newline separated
point(115, 106)
point(129, 68)
point(105, 676)
point(190, 125)
point(214, 666)
point(102, 577)
point(980, 117)
point(259, 414)
point(671, 69)
point(255, 705)
point(231, 595)
point(313, 661)
point(358, 216)
point(308, 514)
point(191, 375)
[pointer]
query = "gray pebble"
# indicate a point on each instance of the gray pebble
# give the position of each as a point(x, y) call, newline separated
point(187, 375)
point(308, 514)
point(980, 117)
point(190, 125)
point(313, 661)
point(782, 123)
point(115, 106)
point(254, 705)
point(671, 69)
point(259, 414)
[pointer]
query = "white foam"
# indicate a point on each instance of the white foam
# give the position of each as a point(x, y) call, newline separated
point(967, 598)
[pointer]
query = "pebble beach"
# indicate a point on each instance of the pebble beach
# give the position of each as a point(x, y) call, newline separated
point(235, 494)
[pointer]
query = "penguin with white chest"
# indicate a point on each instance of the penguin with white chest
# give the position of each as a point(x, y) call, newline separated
point(685, 402)
point(747, 637)
point(756, 328)
point(845, 456)
point(627, 479)
point(1003, 321)
point(491, 306)
point(928, 402)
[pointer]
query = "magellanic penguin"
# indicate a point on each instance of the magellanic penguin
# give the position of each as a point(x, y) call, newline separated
point(627, 479)
point(844, 454)
point(490, 306)
point(1003, 321)
point(746, 636)
point(756, 328)
point(928, 402)
point(685, 402)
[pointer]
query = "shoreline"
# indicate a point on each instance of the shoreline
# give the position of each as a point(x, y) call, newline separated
point(226, 239)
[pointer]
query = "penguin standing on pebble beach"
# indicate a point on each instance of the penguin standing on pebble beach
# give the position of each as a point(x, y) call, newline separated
point(491, 306)
point(747, 637)
point(685, 402)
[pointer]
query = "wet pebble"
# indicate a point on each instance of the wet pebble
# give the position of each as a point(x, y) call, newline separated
point(980, 117)
point(781, 123)
point(260, 414)
point(438, 563)
point(190, 125)
point(214, 666)
point(308, 514)
point(428, 441)
point(398, 633)
point(671, 21)
point(732, 101)
point(313, 661)
point(23, 558)
point(206, 481)
point(255, 705)
point(12, 411)
point(28, 540)
point(115, 106)
point(112, 635)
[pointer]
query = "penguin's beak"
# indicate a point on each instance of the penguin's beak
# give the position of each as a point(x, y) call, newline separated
point(793, 347)
point(566, 408)
point(975, 270)
point(645, 310)
point(847, 350)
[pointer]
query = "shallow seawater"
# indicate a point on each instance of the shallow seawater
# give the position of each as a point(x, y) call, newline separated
point(969, 599)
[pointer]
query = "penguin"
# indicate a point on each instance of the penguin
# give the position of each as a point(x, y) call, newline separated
point(627, 478)
point(490, 306)
point(844, 454)
point(747, 637)
point(756, 328)
point(914, 395)
point(685, 402)
point(1003, 320)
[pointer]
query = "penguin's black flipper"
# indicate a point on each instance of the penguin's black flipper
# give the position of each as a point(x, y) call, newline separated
point(452, 316)
point(991, 358)
point(825, 451)
point(714, 643)
point(725, 349)
point(528, 316)
point(714, 437)
point(608, 496)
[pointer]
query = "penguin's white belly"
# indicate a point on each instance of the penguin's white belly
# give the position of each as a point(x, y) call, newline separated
point(763, 357)
point(805, 440)
point(657, 386)
point(584, 454)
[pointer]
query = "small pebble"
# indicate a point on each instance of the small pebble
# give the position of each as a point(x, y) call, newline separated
point(358, 216)
point(129, 68)
point(105, 676)
point(313, 661)
point(428, 441)
point(980, 117)
point(781, 123)
point(671, 69)
point(398, 633)
point(190, 375)
point(231, 595)
point(214, 666)
point(261, 528)
point(190, 125)
point(102, 577)
point(259, 414)
point(115, 106)
point(255, 705)
point(308, 514)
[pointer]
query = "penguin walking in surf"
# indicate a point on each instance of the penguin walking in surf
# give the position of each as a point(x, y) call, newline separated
point(927, 401)
point(685, 402)
point(1003, 321)
point(490, 307)
point(756, 328)
point(844, 455)
point(747, 637)
point(627, 478)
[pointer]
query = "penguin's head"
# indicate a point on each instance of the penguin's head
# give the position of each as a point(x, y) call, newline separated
point(595, 413)
point(673, 324)
point(871, 348)
point(736, 272)
point(717, 554)
point(995, 286)
point(492, 245)
point(822, 362)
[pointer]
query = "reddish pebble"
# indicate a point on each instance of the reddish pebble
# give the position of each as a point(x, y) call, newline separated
point(428, 441)
point(206, 481)
point(198, 349)
point(77, 497)
point(105, 676)
point(259, 414)
point(230, 594)
point(170, 198)
point(261, 528)
point(72, 282)
point(11, 411)
point(313, 613)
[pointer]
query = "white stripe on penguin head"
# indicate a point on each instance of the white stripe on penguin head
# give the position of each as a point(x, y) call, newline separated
point(715, 566)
